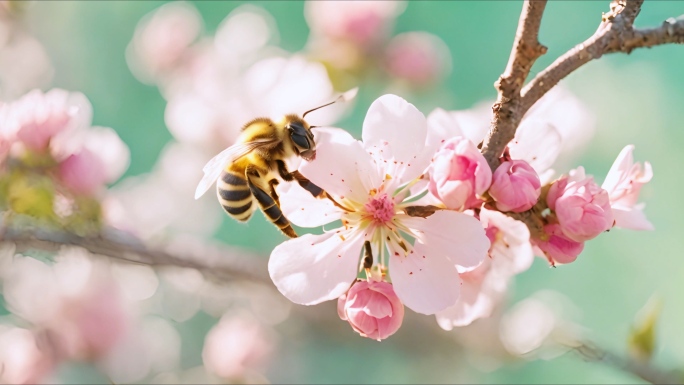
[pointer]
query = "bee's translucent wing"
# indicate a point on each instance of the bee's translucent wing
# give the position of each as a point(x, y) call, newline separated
point(212, 170)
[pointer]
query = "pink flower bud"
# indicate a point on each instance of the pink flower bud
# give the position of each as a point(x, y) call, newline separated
point(515, 186)
point(84, 173)
point(558, 248)
point(582, 207)
point(459, 174)
point(372, 309)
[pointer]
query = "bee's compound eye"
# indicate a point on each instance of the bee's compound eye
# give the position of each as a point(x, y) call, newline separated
point(300, 136)
point(301, 141)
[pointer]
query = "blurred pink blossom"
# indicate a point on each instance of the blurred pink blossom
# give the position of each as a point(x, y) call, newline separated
point(364, 23)
point(40, 120)
point(515, 186)
point(395, 151)
point(372, 309)
point(83, 173)
point(558, 247)
point(23, 358)
point(581, 206)
point(162, 38)
point(236, 345)
point(459, 174)
point(623, 184)
point(418, 58)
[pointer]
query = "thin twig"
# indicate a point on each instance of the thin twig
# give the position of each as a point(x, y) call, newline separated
point(218, 262)
point(616, 33)
point(590, 352)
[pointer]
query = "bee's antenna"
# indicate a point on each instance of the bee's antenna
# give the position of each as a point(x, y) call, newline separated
point(345, 97)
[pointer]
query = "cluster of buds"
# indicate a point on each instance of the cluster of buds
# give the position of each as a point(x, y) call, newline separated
point(53, 164)
point(441, 232)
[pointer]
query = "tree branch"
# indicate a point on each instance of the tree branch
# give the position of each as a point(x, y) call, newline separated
point(218, 262)
point(646, 372)
point(616, 33)
point(526, 50)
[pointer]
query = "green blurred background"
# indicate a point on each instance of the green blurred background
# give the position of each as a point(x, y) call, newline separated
point(637, 98)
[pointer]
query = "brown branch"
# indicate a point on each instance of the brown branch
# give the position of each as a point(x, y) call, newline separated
point(218, 262)
point(526, 50)
point(615, 34)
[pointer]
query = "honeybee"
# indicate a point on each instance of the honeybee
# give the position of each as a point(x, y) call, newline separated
point(249, 170)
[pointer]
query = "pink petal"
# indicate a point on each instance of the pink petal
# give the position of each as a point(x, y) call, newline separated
point(315, 268)
point(457, 236)
point(537, 142)
point(394, 129)
point(444, 125)
point(302, 209)
point(426, 283)
point(342, 166)
point(512, 254)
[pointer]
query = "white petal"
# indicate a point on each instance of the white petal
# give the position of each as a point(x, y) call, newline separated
point(302, 209)
point(426, 283)
point(474, 303)
point(457, 236)
point(537, 142)
point(620, 169)
point(444, 125)
point(342, 166)
point(631, 218)
point(512, 254)
point(315, 268)
point(394, 129)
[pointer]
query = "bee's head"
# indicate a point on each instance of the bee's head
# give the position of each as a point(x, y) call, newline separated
point(303, 140)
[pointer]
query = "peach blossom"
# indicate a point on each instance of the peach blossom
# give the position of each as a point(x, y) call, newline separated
point(372, 309)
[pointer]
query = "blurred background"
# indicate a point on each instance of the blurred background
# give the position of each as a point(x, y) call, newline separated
point(176, 108)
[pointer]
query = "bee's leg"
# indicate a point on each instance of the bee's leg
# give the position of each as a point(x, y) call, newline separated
point(272, 183)
point(287, 176)
point(268, 204)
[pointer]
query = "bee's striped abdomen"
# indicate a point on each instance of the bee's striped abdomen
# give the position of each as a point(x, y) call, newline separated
point(235, 196)
point(272, 211)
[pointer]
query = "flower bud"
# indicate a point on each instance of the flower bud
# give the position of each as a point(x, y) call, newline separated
point(558, 248)
point(515, 186)
point(459, 174)
point(582, 207)
point(419, 58)
point(372, 309)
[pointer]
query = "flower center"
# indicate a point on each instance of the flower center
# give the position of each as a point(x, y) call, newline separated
point(381, 208)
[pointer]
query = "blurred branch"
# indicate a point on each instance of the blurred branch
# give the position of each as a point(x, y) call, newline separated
point(616, 33)
point(218, 262)
point(640, 369)
point(526, 50)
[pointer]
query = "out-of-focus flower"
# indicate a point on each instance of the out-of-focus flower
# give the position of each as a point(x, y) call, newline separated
point(515, 186)
point(236, 345)
point(557, 246)
point(372, 188)
point(540, 326)
point(459, 174)
point(24, 63)
point(372, 309)
point(22, 361)
point(623, 184)
point(581, 206)
point(364, 23)
point(418, 58)
point(80, 305)
point(484, 288)
point(161, 40)
point(83, 173)
point(40, 120)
